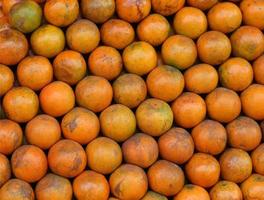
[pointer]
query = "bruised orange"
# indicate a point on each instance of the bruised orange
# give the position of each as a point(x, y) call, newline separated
point(5, 169)
point(6, 79)
point(202, 4)
point(257, 157)
point(253, 187)
point(226, 190)
point(192, 192)
point(167, 7)
point(258, 67)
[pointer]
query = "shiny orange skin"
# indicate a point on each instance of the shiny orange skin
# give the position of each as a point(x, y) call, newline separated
point(7, 5)
point(253, 187)
point(53, 187)
point(128, 175)
point(47, 41)
point(133, 11)
point(38, 134)
point(83, 36)
point(139, 58)
point(67, 158)
point(236, 165)
point(213, 47)
point(5, 169)
point(247, 42)
point(16, 189)
point(179, 51)
point(244, 133)
point(257, 157)
point(91, 185)
point(165, 82)
point(141, 150)
point(104, 155)
point(20, 104)
point(94, 93)
point(6, 79)
point(226, 190)
point(190, 21)
point(154, 29)
point(223, 105)
point(224, 17)
point(57, 98)
point(12, 42)
point(80, 125)
point(253, 13)
point(69, 67)
point(201, 78)
point(117, 33)
point(150, 195)
point(129, 90)
point(154, 117)
point(258, 68)
point(236, 74)
point(189, 109)
point(11, 136)
point(117, 122)
point(252, 100)
point(165, 178)
point(34, 72)
point(209, 137)
point(106, 62)
point(61, 12)
point(167, 7)
point(176, 145)
point(20, 163)
point(202, 4)
point(192, 192)
point(98, 11)
point(203, 170)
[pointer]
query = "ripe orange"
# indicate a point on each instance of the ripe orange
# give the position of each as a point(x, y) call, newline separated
point(192, 192)
point(257, 157)
point(258, 67)
point(224, 190)
point(253, 187)
point(167, 7)
point(5, 169)
point(6, 79)
point(150, 195)
point(202, 4)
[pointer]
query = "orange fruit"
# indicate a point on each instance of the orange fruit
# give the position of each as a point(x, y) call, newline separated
point(106, 62)
point(223, 105)
point(139, 58)
point(209, 137)
point(190, 21)
point(53, 187)
point(192, 192)
point(34, 72)
point(5, 169)
point(104, 155)
point(150, 195)
point(80, 125)
point(38, 134)
point(57, 98)
point(179, 51)
point(8, 4)
point(94, 93)
point(154, 117)
point(258, 67)
point(128, 175)
point(167, 7)
point(253, 187)
point(165, 178)
point(141, 150)
point(257, 157)
point(224, 190)
point(202, 4)
point(189, 109)
point(176, 145)
point(165, 82)
point(6, 79)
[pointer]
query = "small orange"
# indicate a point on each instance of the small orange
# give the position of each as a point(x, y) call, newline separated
point(192, 192)
point(139, 58)
point(202, 4)
point(258, 67)
point(69, 66)
point(257, 157)
point(226, 190)
point(106, 62)
point(189, 109)
point(80, 125)
point(150, 195)
point(83, 36)
point(190, 21)
point(253, 187)
point(179, 51)
point(5, 169)
point(167, 7)
point(6, 79)
point(57, 98)
point(176, 145)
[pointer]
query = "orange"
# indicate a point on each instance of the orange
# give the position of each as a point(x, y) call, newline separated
point(5, 169)
point(118, 122)
point(253, 187)
point(167, 7)
point(257, 157)
point(189, 109)
point(225, 190)
point(150, 195)
point(139, 58)
point(165, 83)
point(94, 93)
point(202, 4)
point(106, 62)
point(80, 125)
point(179, 51)
point(258, 67)
point(192, 192)
point(8, 4)
point(6, 79)
point(190, 21)
point(165, 178)
point(176, 145)
point(154, 117)
point(57, 98)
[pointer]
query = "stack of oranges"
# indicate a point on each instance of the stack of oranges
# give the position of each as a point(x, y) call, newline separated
point(131, 99)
